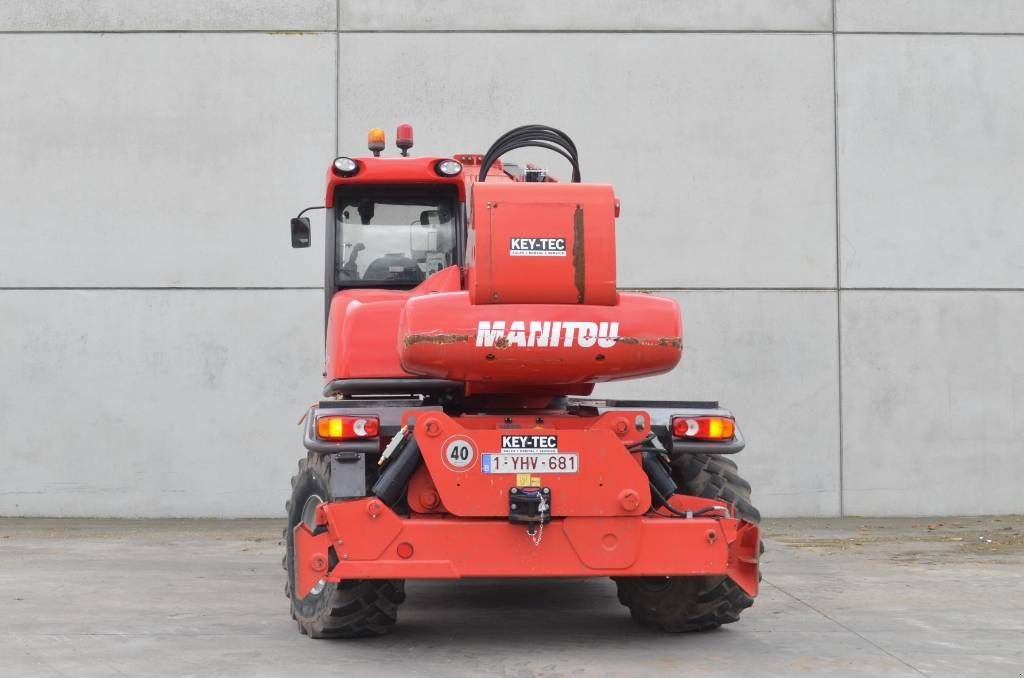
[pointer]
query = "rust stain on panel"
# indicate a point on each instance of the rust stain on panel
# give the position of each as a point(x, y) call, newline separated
point(435, 339)
point(578, 258)
point(664, 342)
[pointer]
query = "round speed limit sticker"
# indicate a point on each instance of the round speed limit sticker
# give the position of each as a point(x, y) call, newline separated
point(459, 454)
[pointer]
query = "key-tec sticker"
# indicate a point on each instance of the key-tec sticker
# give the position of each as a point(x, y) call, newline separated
point(529, 443)
point(459, 454)
point(536, 247)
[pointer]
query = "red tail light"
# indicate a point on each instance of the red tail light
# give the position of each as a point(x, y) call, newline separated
point(703, 428)
point(345, 427)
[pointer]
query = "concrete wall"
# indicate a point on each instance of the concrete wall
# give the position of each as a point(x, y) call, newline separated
point(830, 190)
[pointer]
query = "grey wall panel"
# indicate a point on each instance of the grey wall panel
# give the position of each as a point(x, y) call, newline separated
point(159, 15)
point(720, 146)
point(930, 16)
point(170, 159)
point(154, 403)
point(171, 152)
point(933, 402)
point(929, 161)
point(577, 15)
point(771, 358)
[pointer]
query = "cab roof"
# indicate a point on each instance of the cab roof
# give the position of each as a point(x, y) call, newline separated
point(413, 170)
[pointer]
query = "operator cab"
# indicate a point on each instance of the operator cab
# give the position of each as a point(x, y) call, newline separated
point(393, 236)
point(391, 222)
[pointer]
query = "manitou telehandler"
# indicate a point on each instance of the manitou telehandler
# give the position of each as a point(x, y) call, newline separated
point(470, 305)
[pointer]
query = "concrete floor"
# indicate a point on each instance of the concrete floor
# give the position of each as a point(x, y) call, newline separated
point(933, 597)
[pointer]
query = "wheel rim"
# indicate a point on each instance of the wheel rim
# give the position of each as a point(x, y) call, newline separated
point(308, 516)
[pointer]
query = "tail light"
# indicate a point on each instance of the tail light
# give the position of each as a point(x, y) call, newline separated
point(703, 428)
point(345, 427)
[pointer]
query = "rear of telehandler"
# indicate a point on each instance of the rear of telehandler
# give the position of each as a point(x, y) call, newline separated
point(470, 306)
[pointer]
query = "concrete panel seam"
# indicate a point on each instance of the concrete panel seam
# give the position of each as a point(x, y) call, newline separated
point(663, 288)
point(935, 33)
point(839, 294)
point(584, 31)
point(228, 31)
point(672, 288)
point(337, 78)
point(200, 31)
point(932, 289)
point(841, 624)
point(159, 288)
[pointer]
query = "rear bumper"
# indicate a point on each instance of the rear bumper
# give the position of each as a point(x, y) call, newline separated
point(364, 539)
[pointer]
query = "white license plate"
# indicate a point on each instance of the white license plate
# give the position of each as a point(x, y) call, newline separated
point(518, 462)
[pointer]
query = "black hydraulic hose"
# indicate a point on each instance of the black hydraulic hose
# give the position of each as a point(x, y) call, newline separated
point(657, 474)
point(540, 136)
point(542, 132)
point(542, 141)
point(534, 127)
point(392, 481)
point(639, 443)
point(512, 145)
point(677, 513)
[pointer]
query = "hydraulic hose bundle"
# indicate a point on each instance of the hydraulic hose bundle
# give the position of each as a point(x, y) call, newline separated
point(538, 136)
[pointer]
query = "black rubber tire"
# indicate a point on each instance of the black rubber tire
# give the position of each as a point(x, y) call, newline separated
point(680, 604)
point(351, 609)
point(714, 477)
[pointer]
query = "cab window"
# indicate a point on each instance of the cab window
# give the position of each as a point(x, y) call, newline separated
point(392, 235)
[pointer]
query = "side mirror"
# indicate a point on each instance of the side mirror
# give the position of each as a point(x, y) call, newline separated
point(300, 232)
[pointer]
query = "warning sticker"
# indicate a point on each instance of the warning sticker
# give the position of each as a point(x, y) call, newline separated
point(537, 247)
point(526, 480)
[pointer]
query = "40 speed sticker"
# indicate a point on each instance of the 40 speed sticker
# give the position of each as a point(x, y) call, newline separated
point(458, 454)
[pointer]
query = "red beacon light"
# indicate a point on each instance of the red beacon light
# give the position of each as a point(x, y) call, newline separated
point(375, 141)
point(403, 138)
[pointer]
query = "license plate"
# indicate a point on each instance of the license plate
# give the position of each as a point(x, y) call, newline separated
point(530, 463)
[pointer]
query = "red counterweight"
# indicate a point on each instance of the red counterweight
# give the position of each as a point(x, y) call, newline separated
point(444, 335)
point(541, 308)
point(542, 243)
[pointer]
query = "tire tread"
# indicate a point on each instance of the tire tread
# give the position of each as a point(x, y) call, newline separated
point(352, 609)
point(685, 604)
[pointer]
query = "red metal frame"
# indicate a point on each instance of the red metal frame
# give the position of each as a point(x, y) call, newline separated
point(601, 523)
point(371, 542)
point(610, 481)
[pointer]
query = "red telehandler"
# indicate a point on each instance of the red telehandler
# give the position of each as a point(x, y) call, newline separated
point(471, 306)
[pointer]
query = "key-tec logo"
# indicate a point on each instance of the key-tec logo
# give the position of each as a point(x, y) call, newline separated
point(536, 247)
